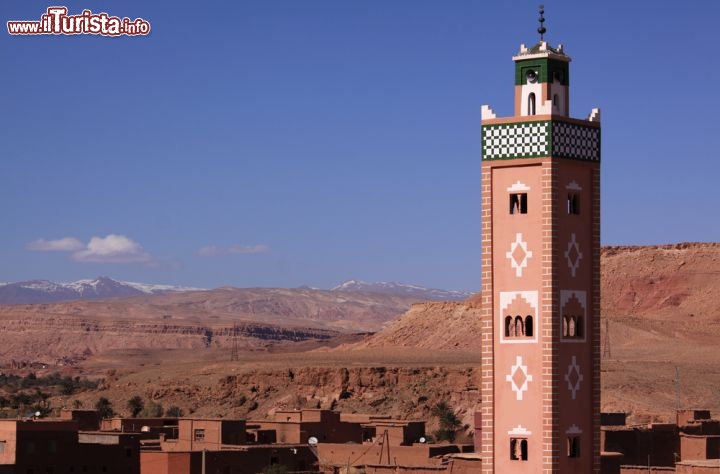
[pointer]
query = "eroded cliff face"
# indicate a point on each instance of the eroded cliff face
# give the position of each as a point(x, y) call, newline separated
point(402, 392)
point(47, 338)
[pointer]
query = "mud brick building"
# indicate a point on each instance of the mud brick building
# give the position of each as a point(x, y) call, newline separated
point(55, 446)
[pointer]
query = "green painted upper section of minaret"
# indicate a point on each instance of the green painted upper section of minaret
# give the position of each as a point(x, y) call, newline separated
point(541, 125)
point(547, 63)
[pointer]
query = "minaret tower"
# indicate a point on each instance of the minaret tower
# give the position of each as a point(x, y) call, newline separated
point(540, 410)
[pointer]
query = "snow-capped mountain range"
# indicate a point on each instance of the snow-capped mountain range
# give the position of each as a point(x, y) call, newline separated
point(394, 288)
point(44, 291)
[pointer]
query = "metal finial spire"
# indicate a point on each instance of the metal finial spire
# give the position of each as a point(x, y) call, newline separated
point(541, 29)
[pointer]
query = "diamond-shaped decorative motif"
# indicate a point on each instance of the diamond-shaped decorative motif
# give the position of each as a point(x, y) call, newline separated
point(518, 254)
point(573, 255)
point(519, 378)
point(573, 377)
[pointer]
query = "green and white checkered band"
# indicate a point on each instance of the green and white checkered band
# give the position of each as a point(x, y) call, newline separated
point(536, 139)
point(578, 142)
point(515, 140)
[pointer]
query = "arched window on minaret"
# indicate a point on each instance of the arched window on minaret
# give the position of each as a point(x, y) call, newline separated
point(518, 449)
point(528, 326)
point(573, 203)
point(573, 447)
point(571, 327)
point(531, 103)
point(519, 326)
point(509, 327)
point(579, 327)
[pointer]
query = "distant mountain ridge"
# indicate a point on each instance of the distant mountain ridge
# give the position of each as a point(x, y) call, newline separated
point(394, 288)
point(45, 291)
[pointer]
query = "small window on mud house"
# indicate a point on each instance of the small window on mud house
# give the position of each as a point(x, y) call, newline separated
point(518, 203)
point(573, 446)
point(199, 435)
point(573, 203)
point(518, 449)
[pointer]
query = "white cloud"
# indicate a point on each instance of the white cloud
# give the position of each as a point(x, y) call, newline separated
point(67, 244)
point(109, 249)
point(213, 250)
point(112, 249)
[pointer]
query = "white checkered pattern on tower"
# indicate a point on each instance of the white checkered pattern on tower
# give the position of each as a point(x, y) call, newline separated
point(516, 140)
point(539, 139)
point(575, 141)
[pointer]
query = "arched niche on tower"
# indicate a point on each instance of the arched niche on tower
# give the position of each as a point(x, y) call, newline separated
point(572, 323)
point(518, 318)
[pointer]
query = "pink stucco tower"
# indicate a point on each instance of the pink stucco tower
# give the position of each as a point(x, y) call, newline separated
point(540, 410)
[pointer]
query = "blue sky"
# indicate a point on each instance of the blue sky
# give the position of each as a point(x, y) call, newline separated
point(306, 142)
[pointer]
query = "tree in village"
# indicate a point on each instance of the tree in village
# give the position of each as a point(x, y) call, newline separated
point(135, 405)
point(104, 408)
point(153, 410)
point(174, 412)
point(448, 421)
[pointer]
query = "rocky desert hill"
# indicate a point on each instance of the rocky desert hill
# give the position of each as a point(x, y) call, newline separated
point(664, 282)
point(432, 325)
point(661, 305)
point(660, 309)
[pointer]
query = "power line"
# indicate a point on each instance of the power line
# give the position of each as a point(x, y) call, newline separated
point(234, 351)
point(606, 354)
point(677, 388)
